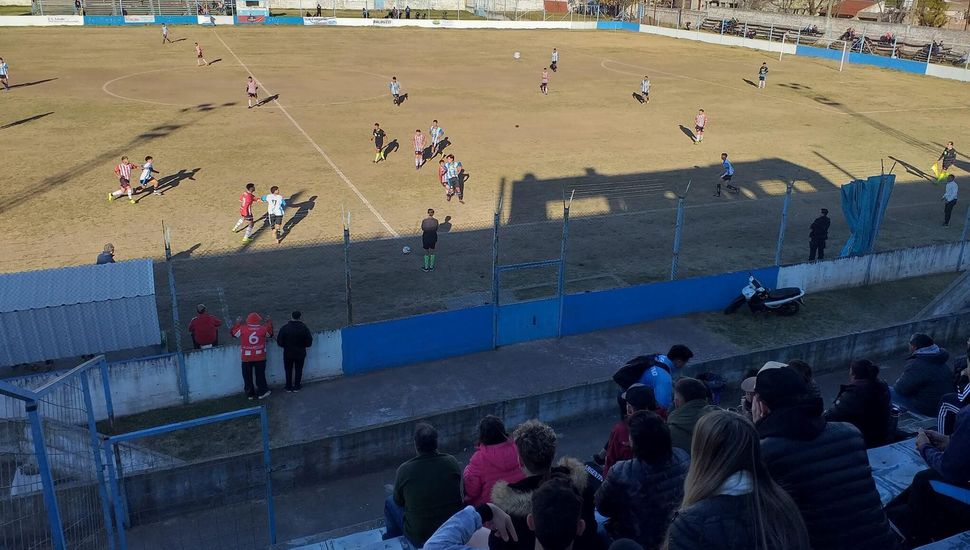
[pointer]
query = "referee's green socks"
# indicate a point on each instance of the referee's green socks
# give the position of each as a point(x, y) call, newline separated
point(427, 261)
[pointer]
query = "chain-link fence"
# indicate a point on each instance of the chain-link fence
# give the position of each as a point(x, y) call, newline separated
point(201, 484)
point(51, 476)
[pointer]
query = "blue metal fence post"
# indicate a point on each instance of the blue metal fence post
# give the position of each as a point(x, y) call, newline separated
point(98, 463)
point(108, 449)
point(561, 284)
point(495, 276)
point(784, 222)
point(678, 229)
point(183, 376)
point(270, 507)
point(46, 476)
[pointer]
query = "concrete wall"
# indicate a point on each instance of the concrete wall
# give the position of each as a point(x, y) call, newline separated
point(874, 268)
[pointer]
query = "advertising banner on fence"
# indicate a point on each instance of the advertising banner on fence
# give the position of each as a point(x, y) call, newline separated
point(251, 19)
point(139, 19)
point(215, 20)
point(317, 21)
point(40, 20)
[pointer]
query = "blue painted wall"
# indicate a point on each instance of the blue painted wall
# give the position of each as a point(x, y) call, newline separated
point(414, 339)
point(638, 304)
point(905, 65)
point(824, 53)
point(617, 26)
point(104, 20)
point(527, 321)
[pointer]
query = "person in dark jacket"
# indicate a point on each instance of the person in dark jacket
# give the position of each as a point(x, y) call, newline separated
point(638, 398)
point(926, 377)
point(690, 404)
point(817, 236)
point(865, 403)
point(804, 369)
point(294, 338)
point(822, 465)
point(536, 445)
point(731, 501)
point(920, 512)
point(639, 496)
point(427, 490)
point(107, 256)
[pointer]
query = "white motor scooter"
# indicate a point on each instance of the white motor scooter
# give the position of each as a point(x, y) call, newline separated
point(783, 301)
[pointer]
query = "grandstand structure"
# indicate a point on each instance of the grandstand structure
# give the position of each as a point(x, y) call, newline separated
point(136, 7)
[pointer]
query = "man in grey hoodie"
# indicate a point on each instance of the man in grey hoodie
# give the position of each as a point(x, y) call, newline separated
point(925, 378)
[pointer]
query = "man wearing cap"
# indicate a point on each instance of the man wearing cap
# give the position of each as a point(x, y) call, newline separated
point(818, 235)
point(822, 465)
point(204, 328)
point(637, 398)
point(252, 342)
point(926, 378)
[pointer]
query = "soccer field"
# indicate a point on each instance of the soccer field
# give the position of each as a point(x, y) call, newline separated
point(86, 96)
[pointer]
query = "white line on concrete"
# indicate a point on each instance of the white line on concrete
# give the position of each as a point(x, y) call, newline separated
point(319, 149)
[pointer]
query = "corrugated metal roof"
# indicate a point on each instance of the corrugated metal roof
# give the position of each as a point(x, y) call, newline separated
point(76, 285)
point(78, 329)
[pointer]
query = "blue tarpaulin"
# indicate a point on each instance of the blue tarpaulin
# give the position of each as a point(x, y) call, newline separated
point(864, 205)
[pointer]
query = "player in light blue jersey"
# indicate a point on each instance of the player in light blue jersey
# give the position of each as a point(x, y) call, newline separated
point(456, 185)
point(437, 134)
point(4, 75)
point(726, 176)
point(395, 87)
point(275, 203)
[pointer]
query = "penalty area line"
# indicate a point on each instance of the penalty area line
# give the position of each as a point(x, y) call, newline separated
point(319, 149)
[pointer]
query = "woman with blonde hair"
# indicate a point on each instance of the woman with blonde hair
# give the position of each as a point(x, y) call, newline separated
point(730, 500)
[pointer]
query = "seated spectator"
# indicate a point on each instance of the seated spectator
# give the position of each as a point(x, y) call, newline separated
point(427, 490)
point(690, 404)
point(554, 523)
point(865, 403)
point(495, 459)
point(744, 408)
point(655, 371)
point(204, 328)
point(951, 403)
point(731, 501)
point(639, 496)
point(922, 514)
point(925, 379)
point(805, 370)
point(637, 398)
point(822, 465)
point(536, 445)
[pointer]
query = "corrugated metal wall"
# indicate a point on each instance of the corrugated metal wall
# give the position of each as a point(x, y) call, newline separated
point(77, 311)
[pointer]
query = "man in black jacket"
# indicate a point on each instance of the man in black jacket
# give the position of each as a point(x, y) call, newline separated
point(926, 378)
point(822, 465)
point(294, 338)
point(865, 403)
point(818, 235)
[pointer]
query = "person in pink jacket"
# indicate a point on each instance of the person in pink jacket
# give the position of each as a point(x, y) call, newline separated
point(495, 459)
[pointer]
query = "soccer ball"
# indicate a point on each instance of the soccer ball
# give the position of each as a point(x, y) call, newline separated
point(516, 55)
point(406, 250)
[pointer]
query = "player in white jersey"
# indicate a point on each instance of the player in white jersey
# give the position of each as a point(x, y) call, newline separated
point(645, 88)
point(165, 37)
point(123, 171)
point(146, 178)
point(4, 75)
point(274, 211)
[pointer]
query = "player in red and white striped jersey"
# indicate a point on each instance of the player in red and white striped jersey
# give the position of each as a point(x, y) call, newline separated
point(123, 171)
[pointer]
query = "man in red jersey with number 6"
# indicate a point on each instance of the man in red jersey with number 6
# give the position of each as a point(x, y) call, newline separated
point(252, 340)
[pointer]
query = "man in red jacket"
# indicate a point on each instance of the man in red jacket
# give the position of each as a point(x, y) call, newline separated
point(204, 328)
point(252, 341)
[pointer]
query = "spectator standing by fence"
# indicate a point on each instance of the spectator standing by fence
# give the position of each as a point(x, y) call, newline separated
point(107, 255)
point(950, 199)
point(294, 338)
point(427, 490)
point(252, 341)
point(817, 235)
point(204, 328)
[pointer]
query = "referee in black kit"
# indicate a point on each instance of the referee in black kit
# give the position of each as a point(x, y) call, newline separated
point(429, 238)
